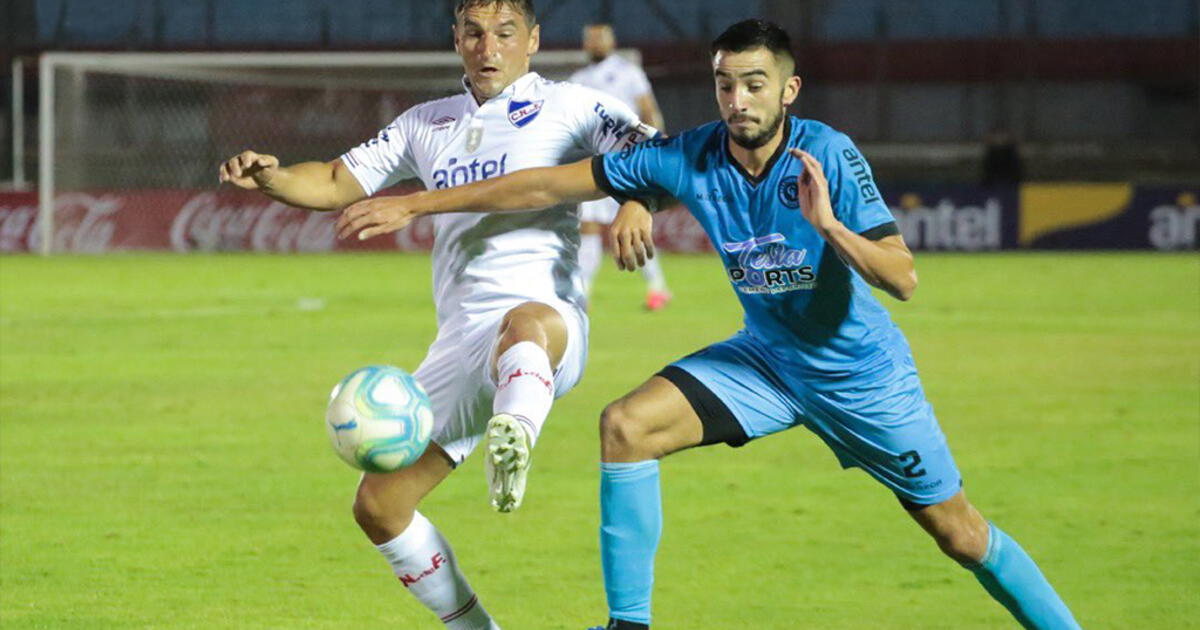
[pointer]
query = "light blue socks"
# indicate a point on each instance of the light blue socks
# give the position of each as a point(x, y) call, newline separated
point(630, 528)
point(1014, 580)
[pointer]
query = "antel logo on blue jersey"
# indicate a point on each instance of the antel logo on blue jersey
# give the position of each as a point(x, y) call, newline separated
point(521, 113)
point(789, 192)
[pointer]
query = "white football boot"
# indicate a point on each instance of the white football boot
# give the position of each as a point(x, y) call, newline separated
point(507, 461)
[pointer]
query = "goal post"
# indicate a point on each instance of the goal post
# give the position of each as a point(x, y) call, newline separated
point(127, 123)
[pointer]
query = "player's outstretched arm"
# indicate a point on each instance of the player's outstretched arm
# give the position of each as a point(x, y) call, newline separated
point(311, 185)
point(885, 264)
point(529, 189)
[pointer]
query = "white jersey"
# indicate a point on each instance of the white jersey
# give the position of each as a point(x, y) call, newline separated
point(617, 77)
point(483, 262)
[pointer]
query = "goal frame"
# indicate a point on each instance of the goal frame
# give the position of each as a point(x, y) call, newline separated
point(194, 65)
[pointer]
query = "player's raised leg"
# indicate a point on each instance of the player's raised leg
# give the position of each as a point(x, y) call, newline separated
point(654, 420)
point(998, 562)
point(385, 507)
point(532, 340)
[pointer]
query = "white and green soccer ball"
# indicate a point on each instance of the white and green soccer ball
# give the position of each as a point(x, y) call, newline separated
point(379, 419)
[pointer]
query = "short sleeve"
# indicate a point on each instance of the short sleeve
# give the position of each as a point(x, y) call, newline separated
point(856, 199)
point(607, 124)
point(385, 159)
point(653, 167)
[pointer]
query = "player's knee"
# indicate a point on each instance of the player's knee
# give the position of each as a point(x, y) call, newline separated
point(381, 520)
point(622, 437)
point(963, 543)
point(525, 323)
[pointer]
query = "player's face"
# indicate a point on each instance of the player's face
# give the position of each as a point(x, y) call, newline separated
point(754, 89)
point(598, 42)
point(496, 43)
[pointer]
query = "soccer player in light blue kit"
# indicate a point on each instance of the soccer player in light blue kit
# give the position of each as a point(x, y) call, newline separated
point(793, 210)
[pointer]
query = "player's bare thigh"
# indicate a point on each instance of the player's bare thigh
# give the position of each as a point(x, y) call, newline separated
point(385, 502)
point(652, 421)
point(537, 322)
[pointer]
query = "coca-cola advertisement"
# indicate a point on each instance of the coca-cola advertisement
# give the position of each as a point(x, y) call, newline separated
point(183, 221)
point(227, 220)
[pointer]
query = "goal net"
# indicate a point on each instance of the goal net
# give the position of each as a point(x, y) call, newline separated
point(130, 142)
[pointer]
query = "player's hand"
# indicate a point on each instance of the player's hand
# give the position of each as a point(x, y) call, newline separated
point(372, 217)
point(814, 193)
point(249, 170)
point(631, 236)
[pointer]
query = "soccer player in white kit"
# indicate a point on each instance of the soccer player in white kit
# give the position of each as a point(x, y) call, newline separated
point(617, 76)
point(512, 330)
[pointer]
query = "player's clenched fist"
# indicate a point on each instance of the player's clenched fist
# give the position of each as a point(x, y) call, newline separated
point(249, 170)
point(814, 193)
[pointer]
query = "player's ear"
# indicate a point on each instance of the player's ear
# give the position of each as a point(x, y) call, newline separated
point(454, 36)
point(535, 39)
point(791, 90)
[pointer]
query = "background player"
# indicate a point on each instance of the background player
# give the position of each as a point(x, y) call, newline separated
point(512, 332)
point(613, 74)
point(801, 250)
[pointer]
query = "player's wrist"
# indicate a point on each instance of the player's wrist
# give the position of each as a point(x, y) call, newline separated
point(832, 229)
point(271, 180)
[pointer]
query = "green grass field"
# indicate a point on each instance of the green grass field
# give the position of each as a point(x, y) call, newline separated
point(163, 462)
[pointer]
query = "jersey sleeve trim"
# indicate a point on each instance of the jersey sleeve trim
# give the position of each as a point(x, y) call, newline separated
point(881, 231)
point(600, 176)
point(354, 166)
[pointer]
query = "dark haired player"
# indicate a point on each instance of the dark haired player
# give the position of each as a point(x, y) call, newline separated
point(792, 208)
point(512, 331)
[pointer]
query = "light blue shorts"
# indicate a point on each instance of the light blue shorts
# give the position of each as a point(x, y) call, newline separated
point(882, 425)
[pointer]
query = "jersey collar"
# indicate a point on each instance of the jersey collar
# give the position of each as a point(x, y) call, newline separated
point(779, 150)
point(522, 82)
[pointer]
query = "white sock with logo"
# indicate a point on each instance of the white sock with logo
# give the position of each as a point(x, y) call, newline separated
point(525, 386)
point(591, 252)
point(652, 273)
point(423, 561)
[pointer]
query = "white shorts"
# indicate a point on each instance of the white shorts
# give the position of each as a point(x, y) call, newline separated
point(599, 211)
point(457, 374)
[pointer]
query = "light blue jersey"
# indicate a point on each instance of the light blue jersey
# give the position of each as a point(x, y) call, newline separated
point(817, 349)
point(800, 299)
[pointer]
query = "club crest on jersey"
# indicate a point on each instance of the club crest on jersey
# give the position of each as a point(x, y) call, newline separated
point(789, 192)
point(521, 113)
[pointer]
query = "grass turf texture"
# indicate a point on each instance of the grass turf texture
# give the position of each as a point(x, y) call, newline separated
point(164, 463)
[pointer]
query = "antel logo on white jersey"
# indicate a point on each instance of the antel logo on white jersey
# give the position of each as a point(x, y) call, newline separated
point(458, 173)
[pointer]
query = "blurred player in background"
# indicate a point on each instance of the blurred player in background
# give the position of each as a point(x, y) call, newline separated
point(614, 75)
point(803, 234)
point(512, 329)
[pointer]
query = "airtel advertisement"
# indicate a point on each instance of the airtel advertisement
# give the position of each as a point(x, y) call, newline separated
point(948, 218)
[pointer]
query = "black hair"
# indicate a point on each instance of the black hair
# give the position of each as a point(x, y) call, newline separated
point(755, 33)
point(524, 7)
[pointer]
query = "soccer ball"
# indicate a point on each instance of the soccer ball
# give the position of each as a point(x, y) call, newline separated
point(379, 419)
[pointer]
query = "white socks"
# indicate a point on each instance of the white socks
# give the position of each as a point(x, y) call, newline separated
point(591, 252)
point(425, 565)
point(525, 386)
point(652, 273)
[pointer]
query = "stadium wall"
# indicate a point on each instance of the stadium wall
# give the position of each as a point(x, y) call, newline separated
point(955, 218)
